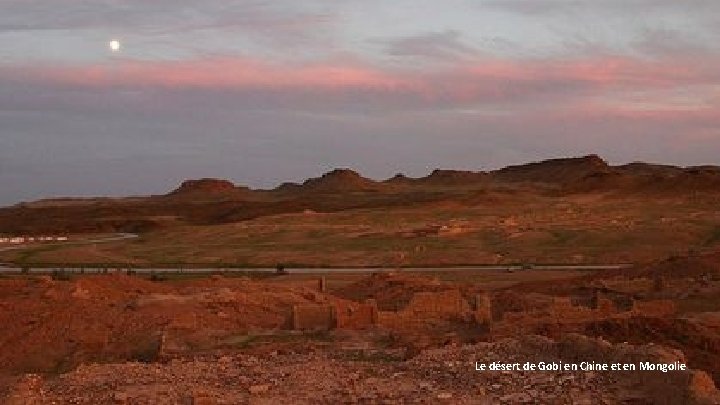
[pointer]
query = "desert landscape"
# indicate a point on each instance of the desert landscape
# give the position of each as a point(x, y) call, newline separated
point(344, 289)
point(571, 211)
point(226, 202)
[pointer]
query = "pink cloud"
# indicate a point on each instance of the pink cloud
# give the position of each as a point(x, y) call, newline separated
point(225, 73)
point(487, 81)
point(599, 71)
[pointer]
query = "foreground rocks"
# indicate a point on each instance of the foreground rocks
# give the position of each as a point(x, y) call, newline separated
point(119, 339)
point(445, 375)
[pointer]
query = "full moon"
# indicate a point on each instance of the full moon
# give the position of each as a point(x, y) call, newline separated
point(114, 45)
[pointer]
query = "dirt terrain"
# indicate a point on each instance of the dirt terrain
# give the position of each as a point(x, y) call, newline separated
point(435, 376)
point(387, 337)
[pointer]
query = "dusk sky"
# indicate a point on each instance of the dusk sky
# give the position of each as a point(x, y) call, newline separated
point(262, 92)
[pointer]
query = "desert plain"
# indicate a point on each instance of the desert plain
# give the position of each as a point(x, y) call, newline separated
point(407, 285)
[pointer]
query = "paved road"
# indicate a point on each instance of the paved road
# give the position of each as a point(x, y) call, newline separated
point(332, 270)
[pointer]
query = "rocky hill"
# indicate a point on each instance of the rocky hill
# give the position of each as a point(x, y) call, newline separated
point(339, 180)
point(561, 171)
point(206, 188)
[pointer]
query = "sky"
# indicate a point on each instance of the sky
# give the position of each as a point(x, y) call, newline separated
point(262, 92)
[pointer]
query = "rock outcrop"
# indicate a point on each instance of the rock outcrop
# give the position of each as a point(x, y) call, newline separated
point(205, 186)
point(339, 180)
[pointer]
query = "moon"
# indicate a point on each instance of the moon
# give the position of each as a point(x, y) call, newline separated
point(114, 45)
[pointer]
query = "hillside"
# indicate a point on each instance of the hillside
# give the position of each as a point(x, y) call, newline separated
point(573, 210)
point(212, 201)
